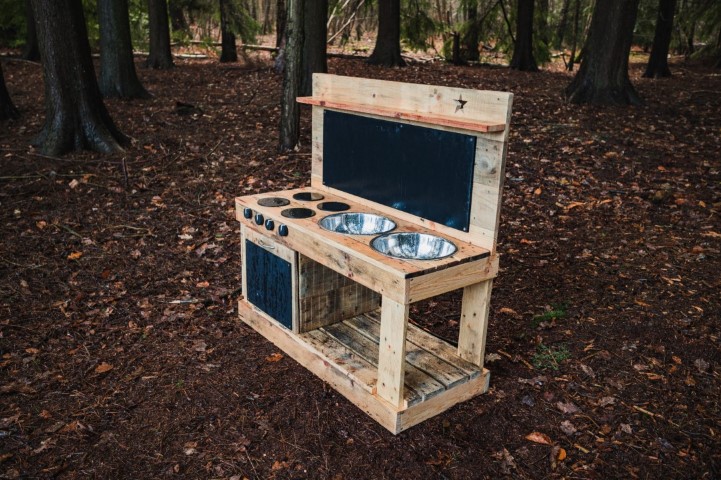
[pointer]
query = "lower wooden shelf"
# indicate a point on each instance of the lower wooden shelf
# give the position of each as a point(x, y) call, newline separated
point(345, 354)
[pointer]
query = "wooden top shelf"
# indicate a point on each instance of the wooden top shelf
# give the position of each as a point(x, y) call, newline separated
point(428, 118)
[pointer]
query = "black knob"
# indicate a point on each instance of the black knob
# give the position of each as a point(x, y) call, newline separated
point(247, 212)
point(283, 230)
point(259, 219)
point(269, 224)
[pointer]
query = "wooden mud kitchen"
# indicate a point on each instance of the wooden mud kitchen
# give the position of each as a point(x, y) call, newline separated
point(403, 206)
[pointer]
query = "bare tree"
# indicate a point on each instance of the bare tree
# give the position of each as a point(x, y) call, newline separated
point(603, 76)
point(160, 56)
point(387, 50)
point(76, 118)
point(523, 50)
point(658, 60)
point(289, 108)
point(118, 77)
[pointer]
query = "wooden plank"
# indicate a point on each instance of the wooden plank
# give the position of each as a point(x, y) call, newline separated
point(309, 357)
point(336, 305)
point(445, 373)
point(435, 345)
point(478, 125)
point(317, 145)
point(452, 278)
point(417, 383)
point(474, 322)
point(362, 371)
point(244, 273)
point(392, 350)
point(433, 100)
point(442, 402)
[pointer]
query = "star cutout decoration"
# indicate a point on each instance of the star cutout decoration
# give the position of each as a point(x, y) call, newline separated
point(461, 103)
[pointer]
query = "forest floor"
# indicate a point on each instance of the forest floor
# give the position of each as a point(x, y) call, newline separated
point(122, 354)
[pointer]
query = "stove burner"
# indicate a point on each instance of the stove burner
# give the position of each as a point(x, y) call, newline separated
point(333, 206)
point(308, 196)
point(297, 212)
point(273, 202)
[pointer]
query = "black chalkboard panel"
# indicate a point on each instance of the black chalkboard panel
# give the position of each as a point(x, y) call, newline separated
point(269, 283)
point(419, 170)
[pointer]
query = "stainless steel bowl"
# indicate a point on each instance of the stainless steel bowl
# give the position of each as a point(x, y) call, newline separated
point(413, 246)
point(354, 223)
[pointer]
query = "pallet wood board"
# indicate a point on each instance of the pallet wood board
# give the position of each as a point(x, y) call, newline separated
point(348, 371)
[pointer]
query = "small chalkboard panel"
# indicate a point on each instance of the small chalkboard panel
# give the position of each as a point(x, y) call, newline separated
point(419, 170)
point(269, 283)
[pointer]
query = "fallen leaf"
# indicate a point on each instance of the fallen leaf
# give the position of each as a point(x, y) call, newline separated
point(711, 234)
point(492, 357)
point(676, 360)
point(562, 454)
point(507, 310)
point(32, 351)
point(73, 183)
point(539, 437)
point(75, 255)
point(567, 407)
point(204, 284)
point(606, 401)
point(276, 357)
point(626, 428)
point(702, 365)
point(537, 191)
point(103, 367)
point(568, 428)
point(588, 370)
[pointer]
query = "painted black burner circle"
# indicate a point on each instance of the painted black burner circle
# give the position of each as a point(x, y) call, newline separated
point(273, 202)
point(297, 212)
point(333, 206)
point(308, 196)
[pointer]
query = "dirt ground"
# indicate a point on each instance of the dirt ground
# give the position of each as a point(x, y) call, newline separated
point(122, 355)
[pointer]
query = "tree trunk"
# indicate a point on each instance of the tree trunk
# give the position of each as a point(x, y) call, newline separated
point(30, 51)
point(658, 61)
point(76, 118)
point(387, 50)
point(280, 23)
point(543, 27)
point(315, 37)
point(470, 40)
point(7, 108)
point(603, 76)
point(228, 52)
point(292, 73)
point(177, 17)
point(117, 67)
point(561, 30)
point(576, 15)
point(523, 50)
point(159, 56)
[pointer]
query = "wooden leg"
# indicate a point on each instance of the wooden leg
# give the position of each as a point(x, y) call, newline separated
point(474, 322)
point(392, 351)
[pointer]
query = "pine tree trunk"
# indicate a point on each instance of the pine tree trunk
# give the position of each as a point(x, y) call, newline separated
point(523, 51)
point(543, 27)
point(228, 52)
point(292, 73)
point(177, 18)
point(7, 108)
point(280, 23)
point(76, 118)
point(561, 30)
point(30, 51)
point(117, 67)
point(658, 61)
point(603, 76)
point(387, 51)
point(470, 40)
point(159, 56)
point(315, 36)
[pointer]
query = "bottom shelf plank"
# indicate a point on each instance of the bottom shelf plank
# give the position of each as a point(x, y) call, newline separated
point(345, 355)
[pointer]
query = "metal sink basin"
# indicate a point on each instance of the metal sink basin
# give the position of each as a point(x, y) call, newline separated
point(413, 246)
point(354, 223)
